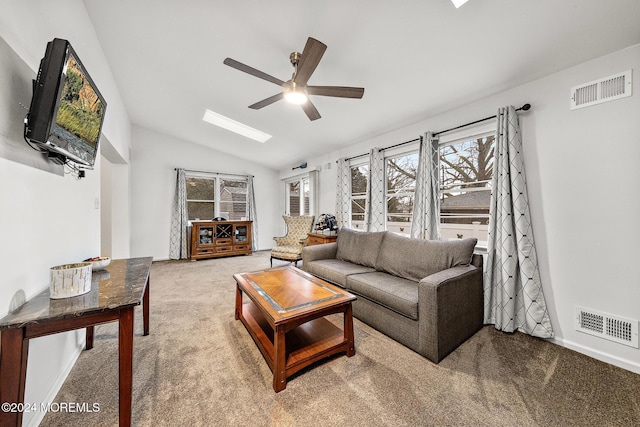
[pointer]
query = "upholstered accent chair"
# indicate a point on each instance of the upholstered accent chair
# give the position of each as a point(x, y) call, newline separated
point(289, 247)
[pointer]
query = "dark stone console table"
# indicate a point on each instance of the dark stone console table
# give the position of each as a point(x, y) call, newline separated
point(114, 294)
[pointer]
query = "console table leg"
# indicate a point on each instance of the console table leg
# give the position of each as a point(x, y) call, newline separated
point(13, 372)
point(280, 353)
point(125, 359)
point(145, 307)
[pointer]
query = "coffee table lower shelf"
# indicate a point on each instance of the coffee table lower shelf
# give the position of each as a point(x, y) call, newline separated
point(305, 344)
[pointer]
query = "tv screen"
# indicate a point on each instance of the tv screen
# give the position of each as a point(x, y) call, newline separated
point(67, 110)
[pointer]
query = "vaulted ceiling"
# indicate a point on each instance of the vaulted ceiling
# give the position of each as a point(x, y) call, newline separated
point(415, 58)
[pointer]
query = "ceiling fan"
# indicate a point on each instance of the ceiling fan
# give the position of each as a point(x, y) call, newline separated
point(296, 90)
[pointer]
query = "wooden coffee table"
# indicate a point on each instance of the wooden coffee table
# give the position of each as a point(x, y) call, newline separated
point(284, 313)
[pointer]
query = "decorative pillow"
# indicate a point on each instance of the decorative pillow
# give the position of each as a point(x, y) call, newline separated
point(415, 259)
point(359, 247)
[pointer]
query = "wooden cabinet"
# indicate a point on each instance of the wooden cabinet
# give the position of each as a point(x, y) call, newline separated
point(210, 239)
point(320, 239)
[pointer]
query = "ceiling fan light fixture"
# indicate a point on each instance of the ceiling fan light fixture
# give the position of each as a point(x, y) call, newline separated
point(294, 94)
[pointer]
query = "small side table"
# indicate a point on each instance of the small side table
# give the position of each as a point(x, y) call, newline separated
point(111, 299)
point(321, 239)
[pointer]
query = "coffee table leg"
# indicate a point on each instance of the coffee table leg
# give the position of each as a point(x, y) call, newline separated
point(238, 302)
point(348, 330)
point(280, 352)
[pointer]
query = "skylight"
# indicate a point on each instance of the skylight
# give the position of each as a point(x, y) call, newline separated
point(234, 126)
point(458, 3)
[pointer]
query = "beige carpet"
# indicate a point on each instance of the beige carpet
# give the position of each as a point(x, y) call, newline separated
point(200, 367)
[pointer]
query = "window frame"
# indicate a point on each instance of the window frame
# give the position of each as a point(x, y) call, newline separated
point(464, 135)
point(216, 193)
point(303, 181)
point(357, 224)
point(399, 227)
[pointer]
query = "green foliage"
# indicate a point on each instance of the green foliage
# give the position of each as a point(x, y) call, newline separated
point(81, 123)
point(76, 114)
point(72, 86)
point(359, 177)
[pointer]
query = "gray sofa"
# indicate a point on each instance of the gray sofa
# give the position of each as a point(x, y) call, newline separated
point(425, 294)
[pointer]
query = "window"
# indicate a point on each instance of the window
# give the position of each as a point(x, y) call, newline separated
point(298, 197)
point(466, 169)
point(209, 197)
point(233, 199)
point(200, 198)
point(359, 177)
point(465, 172)
point(400, 189)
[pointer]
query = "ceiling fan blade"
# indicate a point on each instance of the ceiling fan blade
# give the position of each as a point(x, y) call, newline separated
point(311, 111)
point(250, 70)
point(311, 56)
point(338, 91)
point(267, 101)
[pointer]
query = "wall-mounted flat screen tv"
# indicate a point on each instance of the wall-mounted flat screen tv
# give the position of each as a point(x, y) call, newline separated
point(67, 110)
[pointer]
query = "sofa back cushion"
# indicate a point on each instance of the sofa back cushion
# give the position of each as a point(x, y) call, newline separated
point(415, 259)
point(359, 247)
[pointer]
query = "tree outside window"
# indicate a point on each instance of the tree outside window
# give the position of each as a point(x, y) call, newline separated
point(400, 191)
point(465, 172)
point(466, 169)
point(359, 177)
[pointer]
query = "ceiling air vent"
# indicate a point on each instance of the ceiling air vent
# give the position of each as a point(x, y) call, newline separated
point(607, 326)
point(601, 90)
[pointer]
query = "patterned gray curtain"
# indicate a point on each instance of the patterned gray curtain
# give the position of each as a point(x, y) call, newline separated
point(251, 211)
point(374, 209)
point(343, 194)
point(513, 292)
point(179, 220)
point(425, 223)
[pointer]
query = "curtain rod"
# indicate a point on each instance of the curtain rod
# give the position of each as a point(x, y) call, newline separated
point(215, 173)
point(525, 107)
point(384, 148)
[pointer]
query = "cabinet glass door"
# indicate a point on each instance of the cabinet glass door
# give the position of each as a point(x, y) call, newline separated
point(205, 235)
point(241, 233)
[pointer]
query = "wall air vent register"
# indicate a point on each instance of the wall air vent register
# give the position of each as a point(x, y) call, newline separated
point(614, 328)
point(602, 90)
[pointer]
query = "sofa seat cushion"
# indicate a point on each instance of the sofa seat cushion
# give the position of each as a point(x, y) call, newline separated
point(395, 293)
point(359, 247)
point(335, 270)
point(415, 259)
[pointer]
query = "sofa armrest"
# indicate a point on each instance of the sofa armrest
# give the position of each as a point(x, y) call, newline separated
point(451, 309)
point(316, 252)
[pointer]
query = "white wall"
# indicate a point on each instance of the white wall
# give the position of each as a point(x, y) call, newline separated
point(106, 208)
point(582, 177)
point(47, 218)
point(154, 157)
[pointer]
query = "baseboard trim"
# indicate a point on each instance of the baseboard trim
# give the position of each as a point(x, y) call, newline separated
point(599, 355)
point(57, 385)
